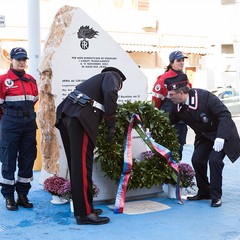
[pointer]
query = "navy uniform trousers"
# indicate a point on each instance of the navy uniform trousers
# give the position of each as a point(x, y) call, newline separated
point(79, 152)
point(181, 127)
point(182, 135)
point(204, 153)
point(17, 146)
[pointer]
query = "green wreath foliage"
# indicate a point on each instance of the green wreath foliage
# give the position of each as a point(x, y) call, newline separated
point(145, 173)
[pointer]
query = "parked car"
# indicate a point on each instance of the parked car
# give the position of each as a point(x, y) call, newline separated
point(230, 97)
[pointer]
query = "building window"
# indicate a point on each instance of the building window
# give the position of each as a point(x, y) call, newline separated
point(119, 4)
point(227, 49)
point(224, 2)
point(141, 5)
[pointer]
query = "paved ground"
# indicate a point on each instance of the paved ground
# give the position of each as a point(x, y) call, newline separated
point(190, 221)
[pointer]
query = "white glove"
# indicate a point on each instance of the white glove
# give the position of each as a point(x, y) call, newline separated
point(218, 144)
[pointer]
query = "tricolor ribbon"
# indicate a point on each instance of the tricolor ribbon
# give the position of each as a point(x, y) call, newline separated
point(127, 165)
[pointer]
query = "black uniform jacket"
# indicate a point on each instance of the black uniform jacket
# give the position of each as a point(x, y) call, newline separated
point(209, 118)
point(102, 88)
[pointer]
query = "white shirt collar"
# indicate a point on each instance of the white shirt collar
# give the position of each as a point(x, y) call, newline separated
point(187, 101)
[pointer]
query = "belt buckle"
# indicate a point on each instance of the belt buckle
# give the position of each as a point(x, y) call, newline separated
point(80, 95)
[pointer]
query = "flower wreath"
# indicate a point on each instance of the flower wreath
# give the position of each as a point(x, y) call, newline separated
point(151, 169)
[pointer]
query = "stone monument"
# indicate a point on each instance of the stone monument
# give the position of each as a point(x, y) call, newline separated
point(77, 48)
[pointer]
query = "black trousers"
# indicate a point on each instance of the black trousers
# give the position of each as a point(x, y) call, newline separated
point(181, 127)
point(79, 151)
point(182, 135)
point(203, 155)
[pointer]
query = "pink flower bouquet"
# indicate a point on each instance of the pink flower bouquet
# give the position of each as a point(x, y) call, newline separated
point(55, 185)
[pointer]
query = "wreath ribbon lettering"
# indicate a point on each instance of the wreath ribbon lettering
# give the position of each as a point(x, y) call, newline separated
point(127, 164)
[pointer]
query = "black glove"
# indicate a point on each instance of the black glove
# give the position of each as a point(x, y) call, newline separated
point(110, 135)
point(110, 122)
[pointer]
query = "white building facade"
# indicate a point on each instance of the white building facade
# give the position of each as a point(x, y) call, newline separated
point(206, 31)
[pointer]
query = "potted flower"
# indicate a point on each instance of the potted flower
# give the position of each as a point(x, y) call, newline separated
point(95, 190)
point(67, 193)
point(187, 175)
point(55, 185)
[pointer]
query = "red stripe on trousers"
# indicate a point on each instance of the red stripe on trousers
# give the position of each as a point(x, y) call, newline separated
point(84, 166)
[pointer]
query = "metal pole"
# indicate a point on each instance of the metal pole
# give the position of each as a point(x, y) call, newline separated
point(34, 47)
point(34, 40)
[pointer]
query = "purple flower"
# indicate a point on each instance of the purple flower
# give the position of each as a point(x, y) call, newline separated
point(67, 192)
point(95, 190)
point(187, 175)
point(146, 155)
point(54, 185)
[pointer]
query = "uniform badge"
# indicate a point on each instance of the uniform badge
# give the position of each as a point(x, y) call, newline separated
point(204, 117)
point(157, 87)
point(9, 82)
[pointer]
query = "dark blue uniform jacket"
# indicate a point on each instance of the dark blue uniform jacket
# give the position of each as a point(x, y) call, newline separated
point(209, 118)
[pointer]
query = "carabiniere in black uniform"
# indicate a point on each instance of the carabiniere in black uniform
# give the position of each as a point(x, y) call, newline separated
point(210, 119)
point(78, 118)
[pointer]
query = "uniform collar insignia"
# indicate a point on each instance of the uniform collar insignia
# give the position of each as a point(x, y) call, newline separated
point(193, 101)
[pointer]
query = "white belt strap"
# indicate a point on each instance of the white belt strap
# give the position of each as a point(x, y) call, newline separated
point(98, 105)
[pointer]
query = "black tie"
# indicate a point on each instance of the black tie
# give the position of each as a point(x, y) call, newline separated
point(184, 106)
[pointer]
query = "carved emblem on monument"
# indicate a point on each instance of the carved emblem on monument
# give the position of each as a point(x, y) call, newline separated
point(86, 32)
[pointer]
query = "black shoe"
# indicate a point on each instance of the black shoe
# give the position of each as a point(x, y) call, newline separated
point(98, 211)
point(11, 204)
point(199, 197)
point(92, 218)
point(216, 203)
point(23, 201)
